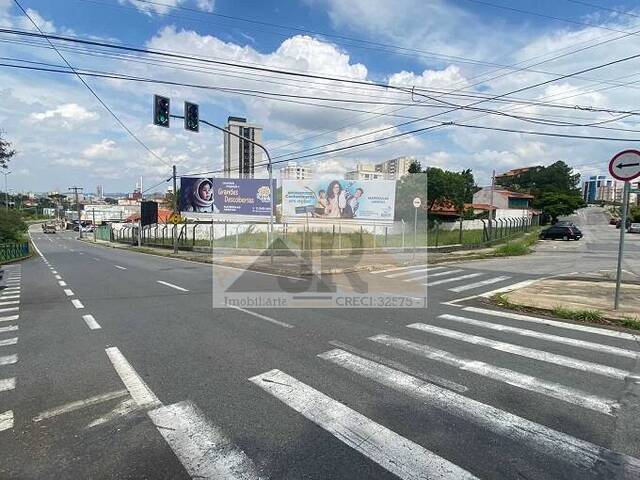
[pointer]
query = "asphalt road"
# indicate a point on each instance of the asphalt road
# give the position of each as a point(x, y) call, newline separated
point(126, 370)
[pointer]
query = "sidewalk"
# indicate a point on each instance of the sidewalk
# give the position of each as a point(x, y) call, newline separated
point(580, 294)
point(291, 265)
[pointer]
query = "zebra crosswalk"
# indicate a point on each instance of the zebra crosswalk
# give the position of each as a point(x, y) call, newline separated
point(452, 278)
point(409, 459)
point(9, 307)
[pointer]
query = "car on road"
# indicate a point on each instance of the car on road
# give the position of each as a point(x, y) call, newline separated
point(619, 223)
point(634, 228)
point(613, 221)
point(564, 232)
point(48, 228)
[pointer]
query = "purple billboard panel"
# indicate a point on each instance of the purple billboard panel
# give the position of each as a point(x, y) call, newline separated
point(225, 196)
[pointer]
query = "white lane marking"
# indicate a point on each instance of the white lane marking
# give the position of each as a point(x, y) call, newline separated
point(77, 303)
point(555, 323)
point(9, 297)
point(510, 377)
point(398, 268)
point(6, 419)
point(10, 328)
point(54, 272)
point(597, 347)
point(201, 447)
point(91, 322)
point(10, 318)
point(96, 259)
point(408, 272)
point(138, 389)
point(68, 292)
point(263, 317)
point(398, 455)
point(442, 274)
point(80, 253)
point(124, 408)
point(453, 279)
point(574, 451)
point(172, 286)
point(71, 250)
point(511, 287)
point(7, 384)
point(10, 309)
point(481, 283)
point(541, 355)
point(77, 405)
point(58, 277)
point(9, 359)
point(399, 366)
point(120, 268)
point(11, 289)
point(12, 302)
point(62, 283)
point(8, 341)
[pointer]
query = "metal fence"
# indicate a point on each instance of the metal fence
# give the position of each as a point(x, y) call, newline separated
point(305, 237)
point(13, 251)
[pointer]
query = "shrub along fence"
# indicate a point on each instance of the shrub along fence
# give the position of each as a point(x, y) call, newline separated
point(13, 251)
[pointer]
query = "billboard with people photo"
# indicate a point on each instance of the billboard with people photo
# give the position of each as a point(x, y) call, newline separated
point(226, 196)
point(332, 200)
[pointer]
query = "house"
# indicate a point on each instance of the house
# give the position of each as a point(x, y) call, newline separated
point(505, 203)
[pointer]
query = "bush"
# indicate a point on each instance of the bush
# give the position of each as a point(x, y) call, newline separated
point(512, 248)
point(12, 226)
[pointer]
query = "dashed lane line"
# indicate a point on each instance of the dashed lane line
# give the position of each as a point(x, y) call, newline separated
point(263, 317)
point(68, 292)
point(7, 384)
point(172, 286)
point(77, 303)
point(91, 322)
point(120, 268)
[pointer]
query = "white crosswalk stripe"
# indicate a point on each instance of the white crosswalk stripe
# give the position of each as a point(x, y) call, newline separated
point(481, 283)
point(398, 455)
point(623, 352)
point(527, 382)
point(541, 355)
point(573, 451)
point(453, 279)
point(394, 269)
point(412, 272)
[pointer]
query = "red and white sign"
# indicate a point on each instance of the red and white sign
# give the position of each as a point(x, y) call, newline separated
point(625, 165)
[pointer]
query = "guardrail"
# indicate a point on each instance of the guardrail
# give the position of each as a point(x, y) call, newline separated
point(13, 251)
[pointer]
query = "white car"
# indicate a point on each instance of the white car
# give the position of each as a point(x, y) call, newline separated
point(634, 228)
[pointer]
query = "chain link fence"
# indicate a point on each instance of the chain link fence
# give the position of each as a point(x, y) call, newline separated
point(13, 251)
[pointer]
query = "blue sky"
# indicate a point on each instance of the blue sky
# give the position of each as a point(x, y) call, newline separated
point(64, 136)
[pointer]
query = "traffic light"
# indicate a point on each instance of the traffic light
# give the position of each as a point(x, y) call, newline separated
point(191, 117)
point(161, 111)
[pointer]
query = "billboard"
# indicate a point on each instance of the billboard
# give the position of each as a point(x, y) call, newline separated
point(225, 196)
point(332, 200)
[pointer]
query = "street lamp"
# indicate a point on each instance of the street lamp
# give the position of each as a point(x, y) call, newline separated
point(6, 191)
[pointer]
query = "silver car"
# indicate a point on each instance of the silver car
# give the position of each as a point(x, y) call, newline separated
point(634, 228)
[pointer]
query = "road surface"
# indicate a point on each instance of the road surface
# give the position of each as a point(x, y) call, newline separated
point(114, 364)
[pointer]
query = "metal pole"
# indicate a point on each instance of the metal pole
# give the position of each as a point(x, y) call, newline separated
point(175, 208)
point(623, 227)
point(140, 220)
point(6, 191)
point(415, 233)
point(93, 212)
point(491, 215)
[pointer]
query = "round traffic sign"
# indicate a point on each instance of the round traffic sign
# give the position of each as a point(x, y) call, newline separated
point(625, 165)
point(417, 202)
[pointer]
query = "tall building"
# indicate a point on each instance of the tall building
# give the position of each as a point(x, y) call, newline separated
point(241, 156)
point(395, 168)
point(599, 188)
point(365, 171)
point(499, 179)
point(100, 192)
point(293, 171)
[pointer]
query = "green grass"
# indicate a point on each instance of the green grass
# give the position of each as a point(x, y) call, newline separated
point(584, 315)
point(521, 246)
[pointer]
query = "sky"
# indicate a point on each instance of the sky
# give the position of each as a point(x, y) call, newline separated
point(439, 56)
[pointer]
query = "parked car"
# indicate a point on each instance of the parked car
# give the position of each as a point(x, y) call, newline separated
point(564, 223)
point(48, 228)
point(634, 228)
point(563, 232)
point(613, 221)
point(619, 223)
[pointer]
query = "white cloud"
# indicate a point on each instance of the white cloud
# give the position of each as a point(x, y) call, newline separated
point(68, 111)
point(101, 149)
point(73, 162)
point(150, 8)
point(206, 5)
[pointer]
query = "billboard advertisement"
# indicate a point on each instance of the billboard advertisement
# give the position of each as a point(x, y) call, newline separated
point(225, 196)
point(331, 200)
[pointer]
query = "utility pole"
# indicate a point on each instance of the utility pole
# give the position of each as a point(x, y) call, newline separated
point(175, 211)
point(75, 191)
point(140, 220)
point(6, 191)
point(491, 211)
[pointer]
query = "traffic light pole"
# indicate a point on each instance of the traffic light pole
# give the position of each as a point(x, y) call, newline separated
point(175, 208)
point(269, 167)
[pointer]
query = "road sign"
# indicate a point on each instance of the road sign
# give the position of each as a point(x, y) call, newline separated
point(175, 218)
point(625, 165)
point(417, 202)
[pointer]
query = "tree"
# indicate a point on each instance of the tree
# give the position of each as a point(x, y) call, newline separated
point(549, 185)
point(12, 227)
point(6, 152)
point(415, 167)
